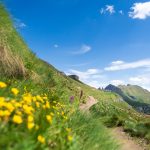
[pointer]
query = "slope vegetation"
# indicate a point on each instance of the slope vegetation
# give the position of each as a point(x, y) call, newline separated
point(132, 97)
point(39, 106)
point(136, 92)
point(36, 111)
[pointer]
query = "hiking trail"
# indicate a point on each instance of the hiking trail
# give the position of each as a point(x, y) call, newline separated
point(124, 140)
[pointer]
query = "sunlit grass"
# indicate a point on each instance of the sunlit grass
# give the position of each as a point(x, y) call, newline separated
point(120, 114)
point(37, 121)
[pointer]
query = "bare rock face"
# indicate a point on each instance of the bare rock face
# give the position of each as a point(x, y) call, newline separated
point(75, 77)
point(62, 73)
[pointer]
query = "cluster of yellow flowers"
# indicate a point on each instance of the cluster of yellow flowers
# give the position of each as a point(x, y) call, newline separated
point(25, 110)
point(2, 85)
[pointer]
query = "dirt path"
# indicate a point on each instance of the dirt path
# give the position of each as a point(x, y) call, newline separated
point(90, 102)
point(126, 142)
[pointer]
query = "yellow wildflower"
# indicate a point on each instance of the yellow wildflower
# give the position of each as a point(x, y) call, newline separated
point(30, 125)
point(39, 98)
point(27, 98)
point(47, 105)
point(10, 107)
point(30, 118)
point(49, 118)
point(70, 138)
point(34, 98)
point(2, 99)
point(28, 109)
point(4, 113)
point(3, 85)
point(18, 105)
point(17, 119)
point(15, 91)
point(41, 139)
point(37, 104)
point(18, 112)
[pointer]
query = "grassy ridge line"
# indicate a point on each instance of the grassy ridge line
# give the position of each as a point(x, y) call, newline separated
point(42, 74)
point(137, 92)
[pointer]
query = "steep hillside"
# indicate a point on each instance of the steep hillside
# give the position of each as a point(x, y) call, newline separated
point(39, 105)
point(17, 61)
point(131, 96)
point(136, 92)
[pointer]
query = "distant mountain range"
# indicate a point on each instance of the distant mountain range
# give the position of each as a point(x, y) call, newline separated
point(134, 95)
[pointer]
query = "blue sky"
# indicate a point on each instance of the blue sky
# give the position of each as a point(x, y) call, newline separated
point(101, 41)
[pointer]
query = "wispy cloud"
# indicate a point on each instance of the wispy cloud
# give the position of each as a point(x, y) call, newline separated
point(19, 24)
point(78, 65)
point(141, 80)
point(56, 45)
point(118, 62)
point(121, 12)
point(85, 74)
point(140, 10)
point(117, 82)
point(121, 65)
point(91, 77)
point(108, 9)
point(84, 49)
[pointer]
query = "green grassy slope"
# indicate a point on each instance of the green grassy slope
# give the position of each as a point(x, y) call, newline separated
point(36, 70)
point(132, 100)
point(40, 115)
point(136, 92)
point(35, 112)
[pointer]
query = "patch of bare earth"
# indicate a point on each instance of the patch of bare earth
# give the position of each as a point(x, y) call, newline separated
point(89, 103)
point(126, 141)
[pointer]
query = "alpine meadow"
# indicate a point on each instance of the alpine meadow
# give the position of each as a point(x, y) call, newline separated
point(44, 108)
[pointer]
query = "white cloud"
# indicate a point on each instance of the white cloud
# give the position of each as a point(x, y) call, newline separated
point(84, 49)
point(108, 8)
point(85, 74)
point(121, 12)
point(19, 24)
point(140, 10)
point(141, 80)
point(77, 65)
point(94, 83)
point(91, 77)
point(118, 62)
point(120, 65)
point(56, 45)
point(117, 82)
point(102, 11)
